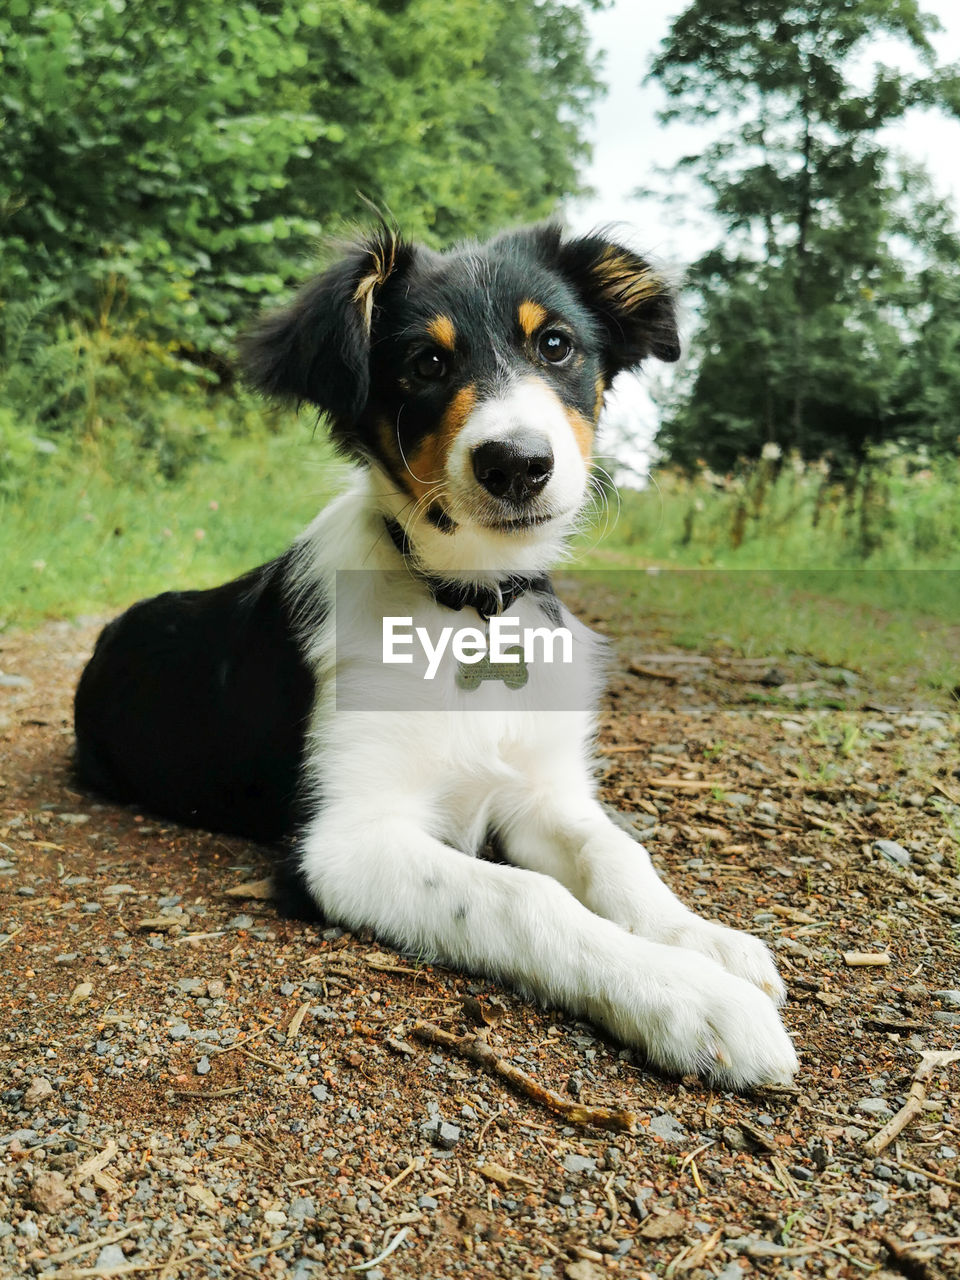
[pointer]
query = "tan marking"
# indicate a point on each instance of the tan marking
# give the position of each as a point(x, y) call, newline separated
point(582, 432)
point(443, 333)
point(601, 390)
point(532, 315)
point(429, 462)
point(627, 281)
point(382, 253)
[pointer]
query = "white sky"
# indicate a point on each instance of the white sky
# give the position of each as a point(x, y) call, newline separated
point(630, 143)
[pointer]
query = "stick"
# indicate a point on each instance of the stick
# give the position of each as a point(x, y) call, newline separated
point(635, 669)
point(99, 1243)
point(477, 1050)
point(930, 1060)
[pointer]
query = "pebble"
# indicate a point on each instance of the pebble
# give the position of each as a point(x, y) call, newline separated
point(203, 1066)
point(111, 1255)
point(40, 1089)
point(949, 1016)
point(50, 1193)
point(735, 1138)
point(892, 851)
point(875, 1106)
point(667, 1128)
point(579, 1164)
point(947, 997)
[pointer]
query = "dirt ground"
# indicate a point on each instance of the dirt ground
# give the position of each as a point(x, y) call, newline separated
point(192, 1087)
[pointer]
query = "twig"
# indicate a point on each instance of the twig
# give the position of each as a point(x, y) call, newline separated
point(415, 1163)
point(906, 1261)
point(635, 669)
point(238, 1044)
point(934, 1177)
point(930, 1061)
point(206, 1093)
point(122, 1269)
point(395, 1243)
point(99, 1243)
point(477, 1050)
point(12, 934)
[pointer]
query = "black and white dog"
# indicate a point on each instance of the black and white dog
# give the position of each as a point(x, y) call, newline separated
point(466, 386)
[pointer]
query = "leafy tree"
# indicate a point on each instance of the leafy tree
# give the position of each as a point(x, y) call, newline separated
point(163, 162)
point(823, 292)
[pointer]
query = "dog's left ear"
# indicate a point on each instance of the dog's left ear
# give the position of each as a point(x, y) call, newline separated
point(318, 347)
point(633, 303)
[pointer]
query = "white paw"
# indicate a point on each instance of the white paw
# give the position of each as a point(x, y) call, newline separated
point(739, 953)
point(690, 1015)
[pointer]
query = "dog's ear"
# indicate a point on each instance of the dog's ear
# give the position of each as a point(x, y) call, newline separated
point(633, 303)
point(318, 347)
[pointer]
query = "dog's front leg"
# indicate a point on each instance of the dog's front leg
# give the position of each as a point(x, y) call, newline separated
point(387, 874)
point(611, 873)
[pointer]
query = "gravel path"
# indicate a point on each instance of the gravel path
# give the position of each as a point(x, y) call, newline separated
point(191, 1087)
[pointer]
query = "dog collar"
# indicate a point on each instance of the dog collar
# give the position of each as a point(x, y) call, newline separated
point(489, 602)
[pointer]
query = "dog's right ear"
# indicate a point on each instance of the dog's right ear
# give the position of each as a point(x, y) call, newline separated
point(318, 347)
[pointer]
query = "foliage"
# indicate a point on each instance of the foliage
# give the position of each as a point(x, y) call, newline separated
point(165, 164)
point(900, 513)
point(828, 313)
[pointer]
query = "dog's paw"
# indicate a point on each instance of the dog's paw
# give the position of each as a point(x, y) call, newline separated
point(691, 1015)
point(739, 953)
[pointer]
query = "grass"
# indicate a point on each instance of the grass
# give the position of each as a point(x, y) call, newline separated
point(77, 541)
point(777, 564)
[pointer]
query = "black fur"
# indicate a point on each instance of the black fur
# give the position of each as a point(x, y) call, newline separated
point(195, 704)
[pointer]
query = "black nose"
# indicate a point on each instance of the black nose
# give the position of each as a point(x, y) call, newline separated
point(516, 468)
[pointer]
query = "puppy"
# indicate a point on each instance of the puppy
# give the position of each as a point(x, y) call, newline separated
point(289, 705)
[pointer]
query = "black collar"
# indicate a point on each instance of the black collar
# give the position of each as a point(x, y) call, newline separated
point(488, 601)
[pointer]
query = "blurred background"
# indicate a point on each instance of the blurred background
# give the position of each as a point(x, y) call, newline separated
point(168, 169)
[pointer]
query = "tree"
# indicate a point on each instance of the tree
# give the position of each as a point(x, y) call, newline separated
point(167, 161)
point(812, 306)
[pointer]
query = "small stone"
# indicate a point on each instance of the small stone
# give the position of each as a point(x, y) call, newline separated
point(579, 1164)
point(320, 1092)
point(275, 1217)
point(203, 1066)
point(216, 989)
point(664, 1226)
point(951, 1017)
point(583, 1270)
point(893, 852)
point(947, 997)
point(735, 1138)
point(427, 1202)
point(447, 1136)
point(240, 922)
point(40, 1089)
point(111, 1255)
point(667, 1128)
point(875, 1106)
point(50, 1193)
point(28, 1229)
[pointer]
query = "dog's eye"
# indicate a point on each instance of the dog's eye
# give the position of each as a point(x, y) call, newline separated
point(431, 366)
point(554, 347)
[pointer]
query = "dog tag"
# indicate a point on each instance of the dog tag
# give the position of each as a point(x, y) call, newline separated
point(470, 675)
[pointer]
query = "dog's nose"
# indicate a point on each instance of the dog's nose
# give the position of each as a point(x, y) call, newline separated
point(515, 468)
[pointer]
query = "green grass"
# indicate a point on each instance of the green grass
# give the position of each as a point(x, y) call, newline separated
point(78, 540)
point(779, 565)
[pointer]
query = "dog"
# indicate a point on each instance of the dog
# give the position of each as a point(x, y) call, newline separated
point(466, 388)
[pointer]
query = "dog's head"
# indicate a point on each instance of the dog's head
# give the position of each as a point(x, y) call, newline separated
point(473, 379)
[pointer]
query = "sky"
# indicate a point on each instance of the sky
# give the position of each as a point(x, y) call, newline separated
point(629, 144)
